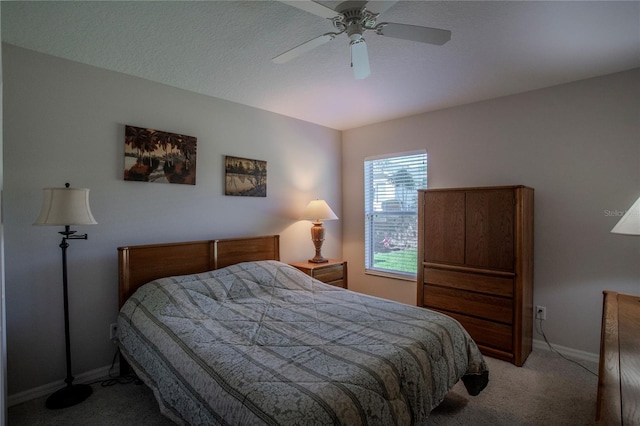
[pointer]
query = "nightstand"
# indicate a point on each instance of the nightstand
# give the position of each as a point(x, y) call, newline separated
point(333, 272)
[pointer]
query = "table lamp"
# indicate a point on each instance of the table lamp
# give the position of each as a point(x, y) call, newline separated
point(317, 211)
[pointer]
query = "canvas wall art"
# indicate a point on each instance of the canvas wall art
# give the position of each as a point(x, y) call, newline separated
point(245, 177)
point(160, 157)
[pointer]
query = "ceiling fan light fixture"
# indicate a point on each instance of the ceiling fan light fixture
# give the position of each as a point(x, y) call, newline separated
point(359, 58)
point(355, 37)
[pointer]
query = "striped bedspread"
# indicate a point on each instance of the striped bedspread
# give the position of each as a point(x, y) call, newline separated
point(263, 343)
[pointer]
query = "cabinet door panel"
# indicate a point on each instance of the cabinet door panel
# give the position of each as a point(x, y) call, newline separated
point(490, 228)
point(444, 227)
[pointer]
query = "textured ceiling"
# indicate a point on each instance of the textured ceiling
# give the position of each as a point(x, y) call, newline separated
point(224, 49)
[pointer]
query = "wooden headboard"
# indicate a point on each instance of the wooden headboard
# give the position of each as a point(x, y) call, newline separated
point(137, 265)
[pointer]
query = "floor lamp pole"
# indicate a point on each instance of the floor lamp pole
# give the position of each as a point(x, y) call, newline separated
point(71, 394)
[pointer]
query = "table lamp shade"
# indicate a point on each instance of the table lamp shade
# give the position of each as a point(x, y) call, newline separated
point(629, 224)
point(318, 210)
point(64, 207)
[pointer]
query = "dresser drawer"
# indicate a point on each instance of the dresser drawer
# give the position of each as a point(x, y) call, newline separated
point(473, 304)
point(338, 283)
point(498, 286)
point(329, 274)
point(486, 333)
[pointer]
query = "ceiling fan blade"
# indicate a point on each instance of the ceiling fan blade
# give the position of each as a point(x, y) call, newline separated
point(360, 59)
point(379, 6)
point(313, 8)
point(415, 33)
point(303, 48)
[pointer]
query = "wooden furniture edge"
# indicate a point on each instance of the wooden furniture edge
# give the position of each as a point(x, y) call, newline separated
point(523, 294)
point(420, 242)
point(475, 188)
point(618, 398)
point(629, 339)
point(469, 269)
point(608, 399)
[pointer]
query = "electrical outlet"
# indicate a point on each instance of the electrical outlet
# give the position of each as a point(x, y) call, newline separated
point(113, 330)
point(541, 312)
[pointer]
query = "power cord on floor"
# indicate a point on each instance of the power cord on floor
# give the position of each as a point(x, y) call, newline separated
point(117, 379)
point(541, 331)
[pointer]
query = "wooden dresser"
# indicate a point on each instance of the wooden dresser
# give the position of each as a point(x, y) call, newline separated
point(475, 248)
point(618, 400)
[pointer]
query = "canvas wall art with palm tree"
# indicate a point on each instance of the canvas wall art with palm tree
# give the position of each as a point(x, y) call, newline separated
point(157, 156)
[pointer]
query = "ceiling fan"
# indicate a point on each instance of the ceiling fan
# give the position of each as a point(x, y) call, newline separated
point(353, 18)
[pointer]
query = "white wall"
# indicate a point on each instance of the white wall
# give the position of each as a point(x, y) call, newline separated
point(577, 144)
point(64, 122)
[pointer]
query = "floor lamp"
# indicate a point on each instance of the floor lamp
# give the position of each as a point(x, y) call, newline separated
point(629, 224)
point(317, 211)
point(65, 207)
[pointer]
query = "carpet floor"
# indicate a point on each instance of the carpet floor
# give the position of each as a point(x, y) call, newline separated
point(548, 390)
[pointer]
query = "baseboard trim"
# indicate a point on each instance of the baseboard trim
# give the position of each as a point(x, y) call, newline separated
point(87, 377)
point(574, 354)
point(103, 372)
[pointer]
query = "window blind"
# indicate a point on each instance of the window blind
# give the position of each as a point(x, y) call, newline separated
point(391, 211)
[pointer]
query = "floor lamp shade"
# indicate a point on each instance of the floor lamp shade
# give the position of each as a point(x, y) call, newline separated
point(629, 224)
point(317, 211)
point(66, 207)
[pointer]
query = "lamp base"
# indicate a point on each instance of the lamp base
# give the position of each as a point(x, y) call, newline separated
point(68, 396)
point(317, 236)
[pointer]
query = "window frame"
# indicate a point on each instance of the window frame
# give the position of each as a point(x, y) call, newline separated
point(371, 198)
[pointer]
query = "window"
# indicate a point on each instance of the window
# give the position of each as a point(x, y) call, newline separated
point(391, 212)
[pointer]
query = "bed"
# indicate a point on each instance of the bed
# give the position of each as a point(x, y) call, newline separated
point(225, 333)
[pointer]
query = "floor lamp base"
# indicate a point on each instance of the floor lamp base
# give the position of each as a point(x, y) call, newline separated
point(68, 396)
